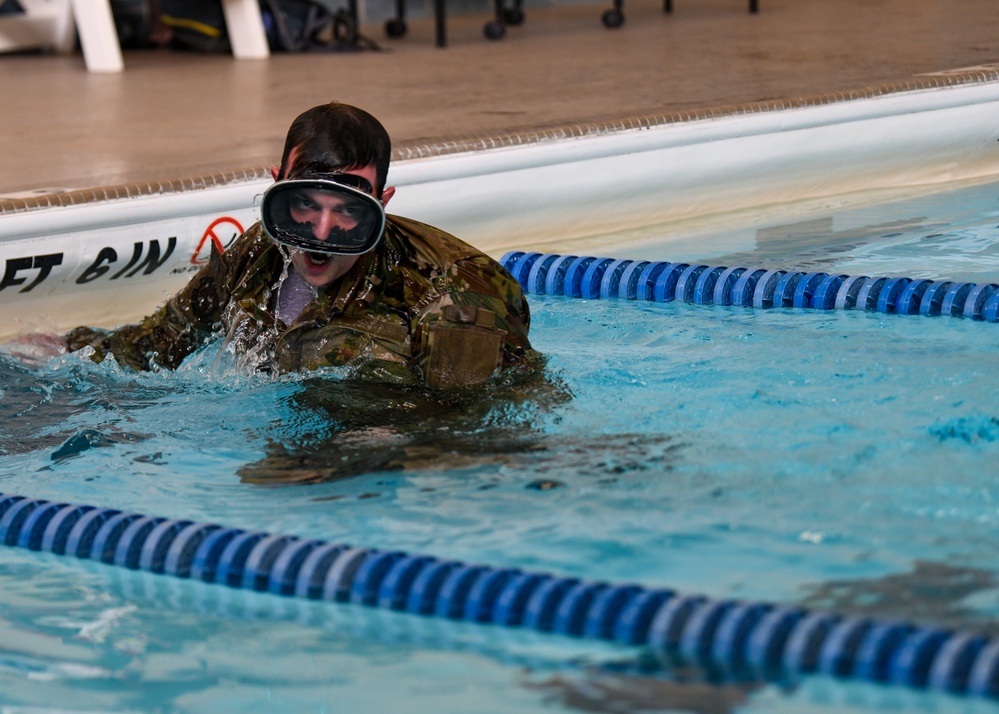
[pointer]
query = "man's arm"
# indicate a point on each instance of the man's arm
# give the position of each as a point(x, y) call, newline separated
point(171, 333)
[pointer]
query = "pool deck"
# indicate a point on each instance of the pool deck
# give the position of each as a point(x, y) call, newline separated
point(172, 116)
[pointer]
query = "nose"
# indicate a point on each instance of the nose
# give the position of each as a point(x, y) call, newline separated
point(323, 226)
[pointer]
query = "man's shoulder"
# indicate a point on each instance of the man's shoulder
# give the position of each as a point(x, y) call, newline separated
point(418, 249)
point(248, 247)
point(253, 239)
point(428, 243)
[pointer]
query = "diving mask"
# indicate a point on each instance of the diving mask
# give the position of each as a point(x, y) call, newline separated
point(336, 214)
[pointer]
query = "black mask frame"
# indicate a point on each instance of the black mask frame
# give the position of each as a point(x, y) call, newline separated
point(291, 208)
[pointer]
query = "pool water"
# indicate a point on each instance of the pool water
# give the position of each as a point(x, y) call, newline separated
point(841, 460)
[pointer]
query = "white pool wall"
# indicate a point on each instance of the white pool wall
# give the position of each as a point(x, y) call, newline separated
point(528, 196)
point(110, 262)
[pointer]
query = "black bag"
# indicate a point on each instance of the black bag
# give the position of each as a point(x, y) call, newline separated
point(297, 25)
point(133, 20)
point(196, 24)
point(291, 25)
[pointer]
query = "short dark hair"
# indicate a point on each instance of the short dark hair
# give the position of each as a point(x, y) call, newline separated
point(335, 137)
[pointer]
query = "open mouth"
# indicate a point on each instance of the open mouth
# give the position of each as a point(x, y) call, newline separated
point(317, 259)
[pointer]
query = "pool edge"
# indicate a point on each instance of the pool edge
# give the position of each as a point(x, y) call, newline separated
point(426, 148)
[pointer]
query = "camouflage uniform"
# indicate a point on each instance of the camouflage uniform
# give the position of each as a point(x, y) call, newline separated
point(422, 307)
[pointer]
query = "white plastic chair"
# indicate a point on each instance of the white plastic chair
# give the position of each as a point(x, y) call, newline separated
point(55, 24)
point(246, 29)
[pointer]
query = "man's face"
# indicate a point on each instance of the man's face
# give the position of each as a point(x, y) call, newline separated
point(326, 213)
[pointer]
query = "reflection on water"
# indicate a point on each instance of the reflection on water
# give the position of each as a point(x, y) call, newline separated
point(316, 428)
point(570, 674)
point(932, 594)
point(375, 428)
point(372, 427)
point(42, 410)
point(609, 693)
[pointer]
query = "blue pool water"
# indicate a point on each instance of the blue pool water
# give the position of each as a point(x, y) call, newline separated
point(842, 460)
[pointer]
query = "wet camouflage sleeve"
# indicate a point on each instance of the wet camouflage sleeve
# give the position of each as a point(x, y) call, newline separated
point(171, 333)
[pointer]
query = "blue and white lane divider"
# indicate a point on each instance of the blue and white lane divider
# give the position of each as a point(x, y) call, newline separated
point(740, 638)
point(661, 281)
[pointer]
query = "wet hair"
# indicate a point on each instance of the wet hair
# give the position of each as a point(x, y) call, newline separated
point(336, 137)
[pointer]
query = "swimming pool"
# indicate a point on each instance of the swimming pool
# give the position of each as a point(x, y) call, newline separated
point(840, 460)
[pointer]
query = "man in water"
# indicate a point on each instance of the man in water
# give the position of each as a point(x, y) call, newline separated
point(327, 279)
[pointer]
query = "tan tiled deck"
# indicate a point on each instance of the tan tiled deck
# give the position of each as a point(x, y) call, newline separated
point(175, 115)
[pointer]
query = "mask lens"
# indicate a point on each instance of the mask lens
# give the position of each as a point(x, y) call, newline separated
point(322, 216)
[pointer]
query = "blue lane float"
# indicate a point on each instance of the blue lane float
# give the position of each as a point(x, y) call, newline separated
point(734, 638)
point(660, 281)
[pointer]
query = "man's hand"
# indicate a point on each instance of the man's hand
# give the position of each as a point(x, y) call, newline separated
point(36, 347)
